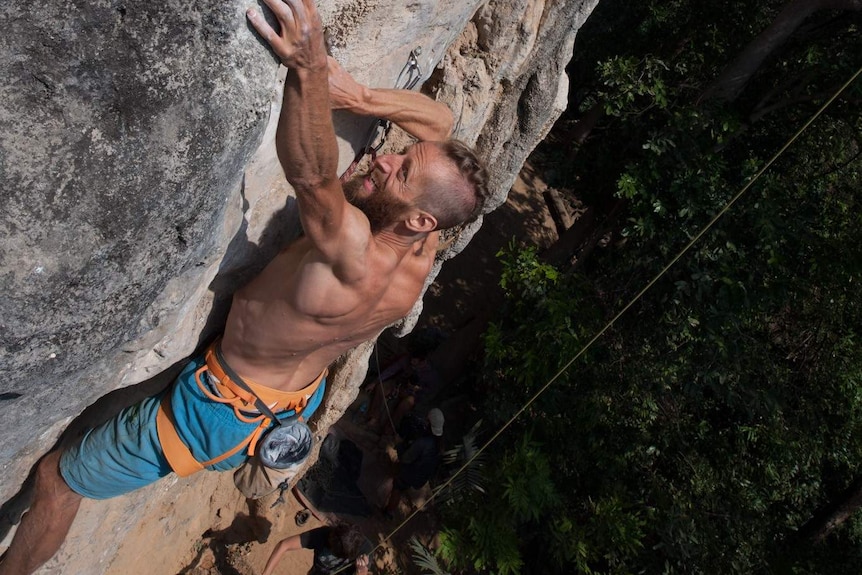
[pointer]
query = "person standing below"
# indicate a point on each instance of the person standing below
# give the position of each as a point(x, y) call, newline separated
point(410, 379)
point(362, 263)
point(339, 549)
point(418, 459)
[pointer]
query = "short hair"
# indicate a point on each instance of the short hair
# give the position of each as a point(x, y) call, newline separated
point(463, 195)
point(346, 540)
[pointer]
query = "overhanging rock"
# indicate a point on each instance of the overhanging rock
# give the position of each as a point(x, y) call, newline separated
point(138, 194)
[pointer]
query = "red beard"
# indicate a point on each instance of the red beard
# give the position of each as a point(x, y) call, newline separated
point(380, 208)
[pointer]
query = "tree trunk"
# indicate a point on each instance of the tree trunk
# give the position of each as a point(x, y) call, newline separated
point(560, 211)
point(833, 514)
point(582, 129)
point(562, 251)
point(730, 83)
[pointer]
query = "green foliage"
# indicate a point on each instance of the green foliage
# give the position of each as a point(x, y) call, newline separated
point(424, 559)
point(527, 484)
point(632, 86)
point(464, 482)
point(704, 429)
point(487, 534)
point(725, 407)
point(523, 275)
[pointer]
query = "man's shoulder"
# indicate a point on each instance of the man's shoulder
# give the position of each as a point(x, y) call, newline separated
point(348, 251)
point(420, 254)
point(391, 262)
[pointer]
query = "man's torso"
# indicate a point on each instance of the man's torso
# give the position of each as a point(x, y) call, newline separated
point(293, 320)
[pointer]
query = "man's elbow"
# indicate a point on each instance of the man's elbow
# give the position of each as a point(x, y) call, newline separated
point(289, 544)
point(445, 133)
point(439, 130)
point(303, 178)
point(447, 124)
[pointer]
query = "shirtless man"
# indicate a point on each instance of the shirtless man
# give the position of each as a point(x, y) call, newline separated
point(360, 266)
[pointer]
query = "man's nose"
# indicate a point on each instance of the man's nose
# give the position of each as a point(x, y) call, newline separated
point(385, 163)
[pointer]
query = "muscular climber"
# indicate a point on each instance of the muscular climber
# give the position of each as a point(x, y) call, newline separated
point(360, 266)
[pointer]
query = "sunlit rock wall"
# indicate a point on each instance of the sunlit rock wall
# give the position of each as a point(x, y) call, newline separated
point(138, 196)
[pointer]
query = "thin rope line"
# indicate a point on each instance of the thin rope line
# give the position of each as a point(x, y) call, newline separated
point(383, 390)
point(634, 300)
point(651, 282)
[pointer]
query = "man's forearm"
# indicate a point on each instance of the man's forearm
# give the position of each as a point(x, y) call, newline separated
point(305, 139)
point(415, 113)
point(281, 548)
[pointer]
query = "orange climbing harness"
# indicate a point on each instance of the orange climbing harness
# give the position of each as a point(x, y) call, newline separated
point(242, 401)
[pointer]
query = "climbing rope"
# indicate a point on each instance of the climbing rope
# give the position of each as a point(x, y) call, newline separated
point(382, 390)
point(628, 306)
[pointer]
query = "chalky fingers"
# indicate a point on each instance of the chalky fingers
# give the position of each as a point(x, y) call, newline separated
point(284, 11)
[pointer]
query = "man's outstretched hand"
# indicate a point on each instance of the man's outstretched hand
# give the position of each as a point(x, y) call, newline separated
point(299, 42)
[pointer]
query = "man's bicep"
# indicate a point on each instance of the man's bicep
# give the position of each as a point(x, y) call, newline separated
point(342, 239)
point(322, 207)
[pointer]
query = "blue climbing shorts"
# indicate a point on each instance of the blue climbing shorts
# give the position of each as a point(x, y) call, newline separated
point(124, 453)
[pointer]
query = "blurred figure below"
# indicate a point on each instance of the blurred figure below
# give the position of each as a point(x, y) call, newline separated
point(418, 459)
point(341, 548)
point(404, 384)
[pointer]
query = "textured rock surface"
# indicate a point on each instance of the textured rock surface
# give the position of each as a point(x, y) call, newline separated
point(121, 145)
point(136, 198)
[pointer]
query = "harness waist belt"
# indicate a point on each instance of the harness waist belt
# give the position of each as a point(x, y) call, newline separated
point(180, 458)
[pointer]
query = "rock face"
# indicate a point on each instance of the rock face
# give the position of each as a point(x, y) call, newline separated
point(121, 144)
point(141, 186)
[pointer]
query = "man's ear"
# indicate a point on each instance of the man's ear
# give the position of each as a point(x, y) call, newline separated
point(421, 222)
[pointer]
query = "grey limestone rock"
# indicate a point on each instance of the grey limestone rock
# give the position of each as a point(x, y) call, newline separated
point(141, 186)
point(124, 128)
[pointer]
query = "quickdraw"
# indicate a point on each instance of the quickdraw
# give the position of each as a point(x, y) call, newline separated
point(409, 76)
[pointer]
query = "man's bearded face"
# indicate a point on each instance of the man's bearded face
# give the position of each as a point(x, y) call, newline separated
point(380, 207)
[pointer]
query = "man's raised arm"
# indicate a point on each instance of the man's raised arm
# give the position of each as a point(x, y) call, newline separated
point(415, 113)
point(305, 139)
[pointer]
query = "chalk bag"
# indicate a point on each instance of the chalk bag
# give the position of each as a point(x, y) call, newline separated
point(286, 445)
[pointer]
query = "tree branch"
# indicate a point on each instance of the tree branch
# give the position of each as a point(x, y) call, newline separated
point(731, 81)
point(833, 514)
